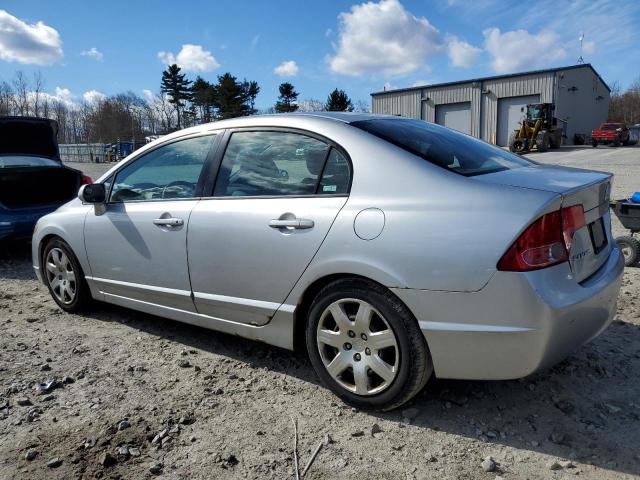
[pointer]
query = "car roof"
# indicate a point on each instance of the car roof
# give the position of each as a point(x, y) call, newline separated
point(277, 119)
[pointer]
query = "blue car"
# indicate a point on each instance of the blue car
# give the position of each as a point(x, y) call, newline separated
point(33, 180)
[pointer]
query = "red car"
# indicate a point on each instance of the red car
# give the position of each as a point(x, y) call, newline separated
point(610, 133)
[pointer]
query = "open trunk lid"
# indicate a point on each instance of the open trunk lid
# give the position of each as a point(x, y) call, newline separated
point(26, 187)
point(592, 243)
point(29, 136)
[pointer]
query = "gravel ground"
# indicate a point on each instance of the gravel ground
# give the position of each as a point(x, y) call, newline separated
point(137, 396)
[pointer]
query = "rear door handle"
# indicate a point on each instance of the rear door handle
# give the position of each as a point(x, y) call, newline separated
point(169, 222)
point(296, 223)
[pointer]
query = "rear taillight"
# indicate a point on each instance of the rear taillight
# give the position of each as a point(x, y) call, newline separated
point(545, 242)
point(572, 221)
point(86, 179)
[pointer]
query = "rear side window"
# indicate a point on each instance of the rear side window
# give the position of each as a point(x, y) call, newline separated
point(443, 147)
point(280, 164)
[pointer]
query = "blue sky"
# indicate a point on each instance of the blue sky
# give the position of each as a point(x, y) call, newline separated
point(114, 46)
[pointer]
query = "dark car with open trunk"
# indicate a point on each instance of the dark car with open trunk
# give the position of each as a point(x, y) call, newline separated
point(33, 180)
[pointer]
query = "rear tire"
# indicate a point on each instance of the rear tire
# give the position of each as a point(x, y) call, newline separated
point(630, 248)
point(353, 326)
point(64, 277)
point(543, 143)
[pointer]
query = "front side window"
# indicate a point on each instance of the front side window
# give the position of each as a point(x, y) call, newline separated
point(443, 147)
point(280, 164)
point(168, 172)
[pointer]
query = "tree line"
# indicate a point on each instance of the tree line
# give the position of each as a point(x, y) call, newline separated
point(625, 106)
point(201, 101)
point(179, 103)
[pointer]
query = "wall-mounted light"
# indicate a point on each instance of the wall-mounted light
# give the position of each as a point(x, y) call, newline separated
point(486, 92)
point(572, 89)
point(599, 98)
point(425, 99)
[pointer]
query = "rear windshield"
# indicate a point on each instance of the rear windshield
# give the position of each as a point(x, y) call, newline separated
point(15, 161)
point(611, 126)
point(443, 147)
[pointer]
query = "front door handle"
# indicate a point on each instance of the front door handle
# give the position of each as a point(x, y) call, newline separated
point(295, 223)
point(169, 222)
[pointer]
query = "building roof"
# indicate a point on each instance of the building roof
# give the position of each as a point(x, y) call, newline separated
point(495, 77)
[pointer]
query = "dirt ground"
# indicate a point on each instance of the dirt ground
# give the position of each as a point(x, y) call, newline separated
point(137, 396)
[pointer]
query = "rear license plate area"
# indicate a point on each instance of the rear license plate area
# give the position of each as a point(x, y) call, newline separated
point(598, 235)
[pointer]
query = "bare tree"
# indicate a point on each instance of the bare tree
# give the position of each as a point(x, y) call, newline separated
point(625, 106)
point(38, 85)
point(6, 98)
point(21, 93)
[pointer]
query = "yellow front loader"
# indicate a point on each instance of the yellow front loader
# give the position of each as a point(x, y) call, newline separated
point(539, 129)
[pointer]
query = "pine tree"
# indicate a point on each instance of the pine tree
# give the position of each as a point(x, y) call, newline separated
point(251, 89)
point(231, 97)
point(286, 100)
point(338, 101)
point(203, 96)
point(177, 87)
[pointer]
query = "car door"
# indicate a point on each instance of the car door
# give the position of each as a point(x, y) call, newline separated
point(136, 244)
point(275, 197)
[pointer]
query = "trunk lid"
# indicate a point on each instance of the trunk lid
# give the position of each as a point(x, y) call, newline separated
point(29, 136)
point(592, 243)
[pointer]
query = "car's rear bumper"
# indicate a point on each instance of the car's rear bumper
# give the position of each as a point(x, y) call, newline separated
point(518, 324)
point(16, 224)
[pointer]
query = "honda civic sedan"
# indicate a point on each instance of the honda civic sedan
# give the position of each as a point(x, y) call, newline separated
point(390, 249)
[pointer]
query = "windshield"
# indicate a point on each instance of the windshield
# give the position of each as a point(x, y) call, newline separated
point(443, 147)
point(535, 112)
point(13, 161)
point(610, 126)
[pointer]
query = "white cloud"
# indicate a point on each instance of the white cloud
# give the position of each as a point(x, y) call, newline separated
point(21, 42)
point(420, 83)
point(191, 58)
point(383, 37)
point(61, 95)
point(148, 94)
point(462, 54)
point(64, 94)
point(93, 52)
point(287, 69)
point(93, 97)
point(520, 50)
point(254, 41)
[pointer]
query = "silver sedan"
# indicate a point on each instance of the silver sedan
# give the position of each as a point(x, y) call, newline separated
point(390, 249)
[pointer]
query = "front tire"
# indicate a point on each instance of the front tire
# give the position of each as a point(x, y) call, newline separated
point(64, 277)
point(366, 346)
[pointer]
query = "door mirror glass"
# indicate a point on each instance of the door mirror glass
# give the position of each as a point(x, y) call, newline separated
point(92, 193)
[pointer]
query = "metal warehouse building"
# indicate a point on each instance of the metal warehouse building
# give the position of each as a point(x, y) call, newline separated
point(490, 108)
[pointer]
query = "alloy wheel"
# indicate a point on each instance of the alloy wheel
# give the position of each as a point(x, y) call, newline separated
point(61, 276)
point(358, 347)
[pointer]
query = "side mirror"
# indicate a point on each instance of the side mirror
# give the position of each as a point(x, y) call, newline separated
point(92, 193)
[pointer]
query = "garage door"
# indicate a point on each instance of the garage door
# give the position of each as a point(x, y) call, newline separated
point(510, 115)
point(455, 115)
